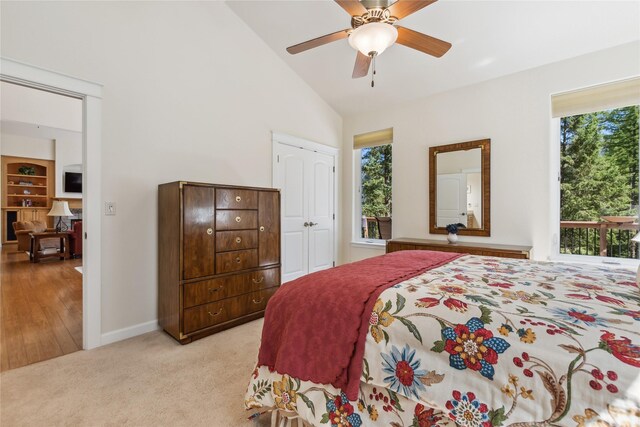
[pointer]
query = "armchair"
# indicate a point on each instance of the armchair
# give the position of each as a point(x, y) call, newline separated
point(24, 228)
point(75, 239)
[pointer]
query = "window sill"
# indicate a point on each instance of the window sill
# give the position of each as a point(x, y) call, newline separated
point(369, 244)
point(596, 260)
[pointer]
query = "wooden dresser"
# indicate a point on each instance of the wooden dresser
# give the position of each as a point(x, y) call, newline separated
point(218, 256)
point(488, 249)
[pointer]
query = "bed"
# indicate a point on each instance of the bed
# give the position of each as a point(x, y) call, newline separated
point(467, 341)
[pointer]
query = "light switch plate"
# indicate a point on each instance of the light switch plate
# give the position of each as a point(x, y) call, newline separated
point(109, 208)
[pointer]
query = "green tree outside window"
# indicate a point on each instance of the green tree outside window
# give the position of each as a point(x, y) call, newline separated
point(376, 183)
point(599, 173)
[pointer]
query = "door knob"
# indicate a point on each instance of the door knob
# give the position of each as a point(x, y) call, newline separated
point(306, 224)
point(311, 224)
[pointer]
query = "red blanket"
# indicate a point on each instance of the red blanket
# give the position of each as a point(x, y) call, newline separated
point(315, 327)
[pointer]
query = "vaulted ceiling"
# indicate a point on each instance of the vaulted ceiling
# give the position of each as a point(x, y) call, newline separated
point(490, 39)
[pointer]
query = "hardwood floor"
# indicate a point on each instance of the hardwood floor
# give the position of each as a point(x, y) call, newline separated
point(41, 308)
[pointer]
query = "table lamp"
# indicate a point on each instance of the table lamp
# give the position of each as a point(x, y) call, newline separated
point(60, 209)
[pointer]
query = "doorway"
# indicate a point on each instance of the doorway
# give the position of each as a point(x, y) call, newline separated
point(90, 95)
point(305, 173)
point(41, 217)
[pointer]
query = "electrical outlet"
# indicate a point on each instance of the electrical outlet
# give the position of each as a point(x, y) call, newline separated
point(109, 208)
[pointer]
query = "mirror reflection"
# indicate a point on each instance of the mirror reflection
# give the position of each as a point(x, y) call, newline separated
point(459, 188)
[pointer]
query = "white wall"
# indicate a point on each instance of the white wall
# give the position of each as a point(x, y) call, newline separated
point(190, 93)
point(31, 120)
point(65, 147)
point(514, 111)
point(26, 146)
point(458, 161)
point(27, 105)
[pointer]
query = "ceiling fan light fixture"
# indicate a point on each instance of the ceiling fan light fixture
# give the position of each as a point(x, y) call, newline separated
point(373, 38)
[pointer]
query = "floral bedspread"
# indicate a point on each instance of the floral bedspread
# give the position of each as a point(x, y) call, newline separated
point(486, 341)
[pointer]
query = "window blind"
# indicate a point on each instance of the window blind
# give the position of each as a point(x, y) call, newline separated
point(618, 94)
point(373, 139)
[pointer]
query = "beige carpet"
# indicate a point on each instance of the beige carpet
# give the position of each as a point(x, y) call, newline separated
point(149, 380)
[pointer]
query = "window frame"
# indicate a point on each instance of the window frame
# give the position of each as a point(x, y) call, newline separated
point(555, 181)
point(356, 239)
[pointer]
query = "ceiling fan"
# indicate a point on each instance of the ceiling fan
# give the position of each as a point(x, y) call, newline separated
point(373, 30)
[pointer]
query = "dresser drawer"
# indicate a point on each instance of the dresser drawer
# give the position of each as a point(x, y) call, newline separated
point(230, 198)
point(227, 262)
point(236, 220)
point(393, 247)
point(206, 315)
point(256, 301)
point(236, 240)
point(217, 289)
point(484, 249)
point(210, 314)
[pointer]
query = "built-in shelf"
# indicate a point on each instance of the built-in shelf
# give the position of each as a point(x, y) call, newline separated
point(26, 176)
point(27, 207)
point(41, 185)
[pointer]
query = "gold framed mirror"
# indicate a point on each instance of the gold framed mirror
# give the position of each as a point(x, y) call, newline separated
point(460, 187)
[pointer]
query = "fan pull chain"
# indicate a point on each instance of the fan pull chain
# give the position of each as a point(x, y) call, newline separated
point(373, 69)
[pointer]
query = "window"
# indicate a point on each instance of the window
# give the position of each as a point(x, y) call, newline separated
point(599, 168)
point(373, 195)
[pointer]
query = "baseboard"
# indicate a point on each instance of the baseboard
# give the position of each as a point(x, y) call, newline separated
point(128, 332)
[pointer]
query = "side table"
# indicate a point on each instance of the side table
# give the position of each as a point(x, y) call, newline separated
point(35, 254)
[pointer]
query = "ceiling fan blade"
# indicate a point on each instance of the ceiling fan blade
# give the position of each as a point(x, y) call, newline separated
point(422, 42)
point(353, 7)
point(403, 8)
point(361, 68)
point(319, 41)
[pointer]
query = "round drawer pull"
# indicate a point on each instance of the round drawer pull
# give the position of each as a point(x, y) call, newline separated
point(258, 302)
point(238, 260)
point(238, 219)
point(238, 240)
point(209, 231)
point(238, 199)
point(215, 314)
point(262, 228)
point(258, 281)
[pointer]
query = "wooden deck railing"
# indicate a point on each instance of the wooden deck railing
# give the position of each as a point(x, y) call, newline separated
point(608, 239)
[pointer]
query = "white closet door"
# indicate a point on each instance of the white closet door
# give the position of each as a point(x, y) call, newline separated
point(452, 199)
point(291, 174)
point(321, 211)
point(306, 179)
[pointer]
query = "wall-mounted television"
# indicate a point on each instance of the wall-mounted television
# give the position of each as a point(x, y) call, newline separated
point(72, 182)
